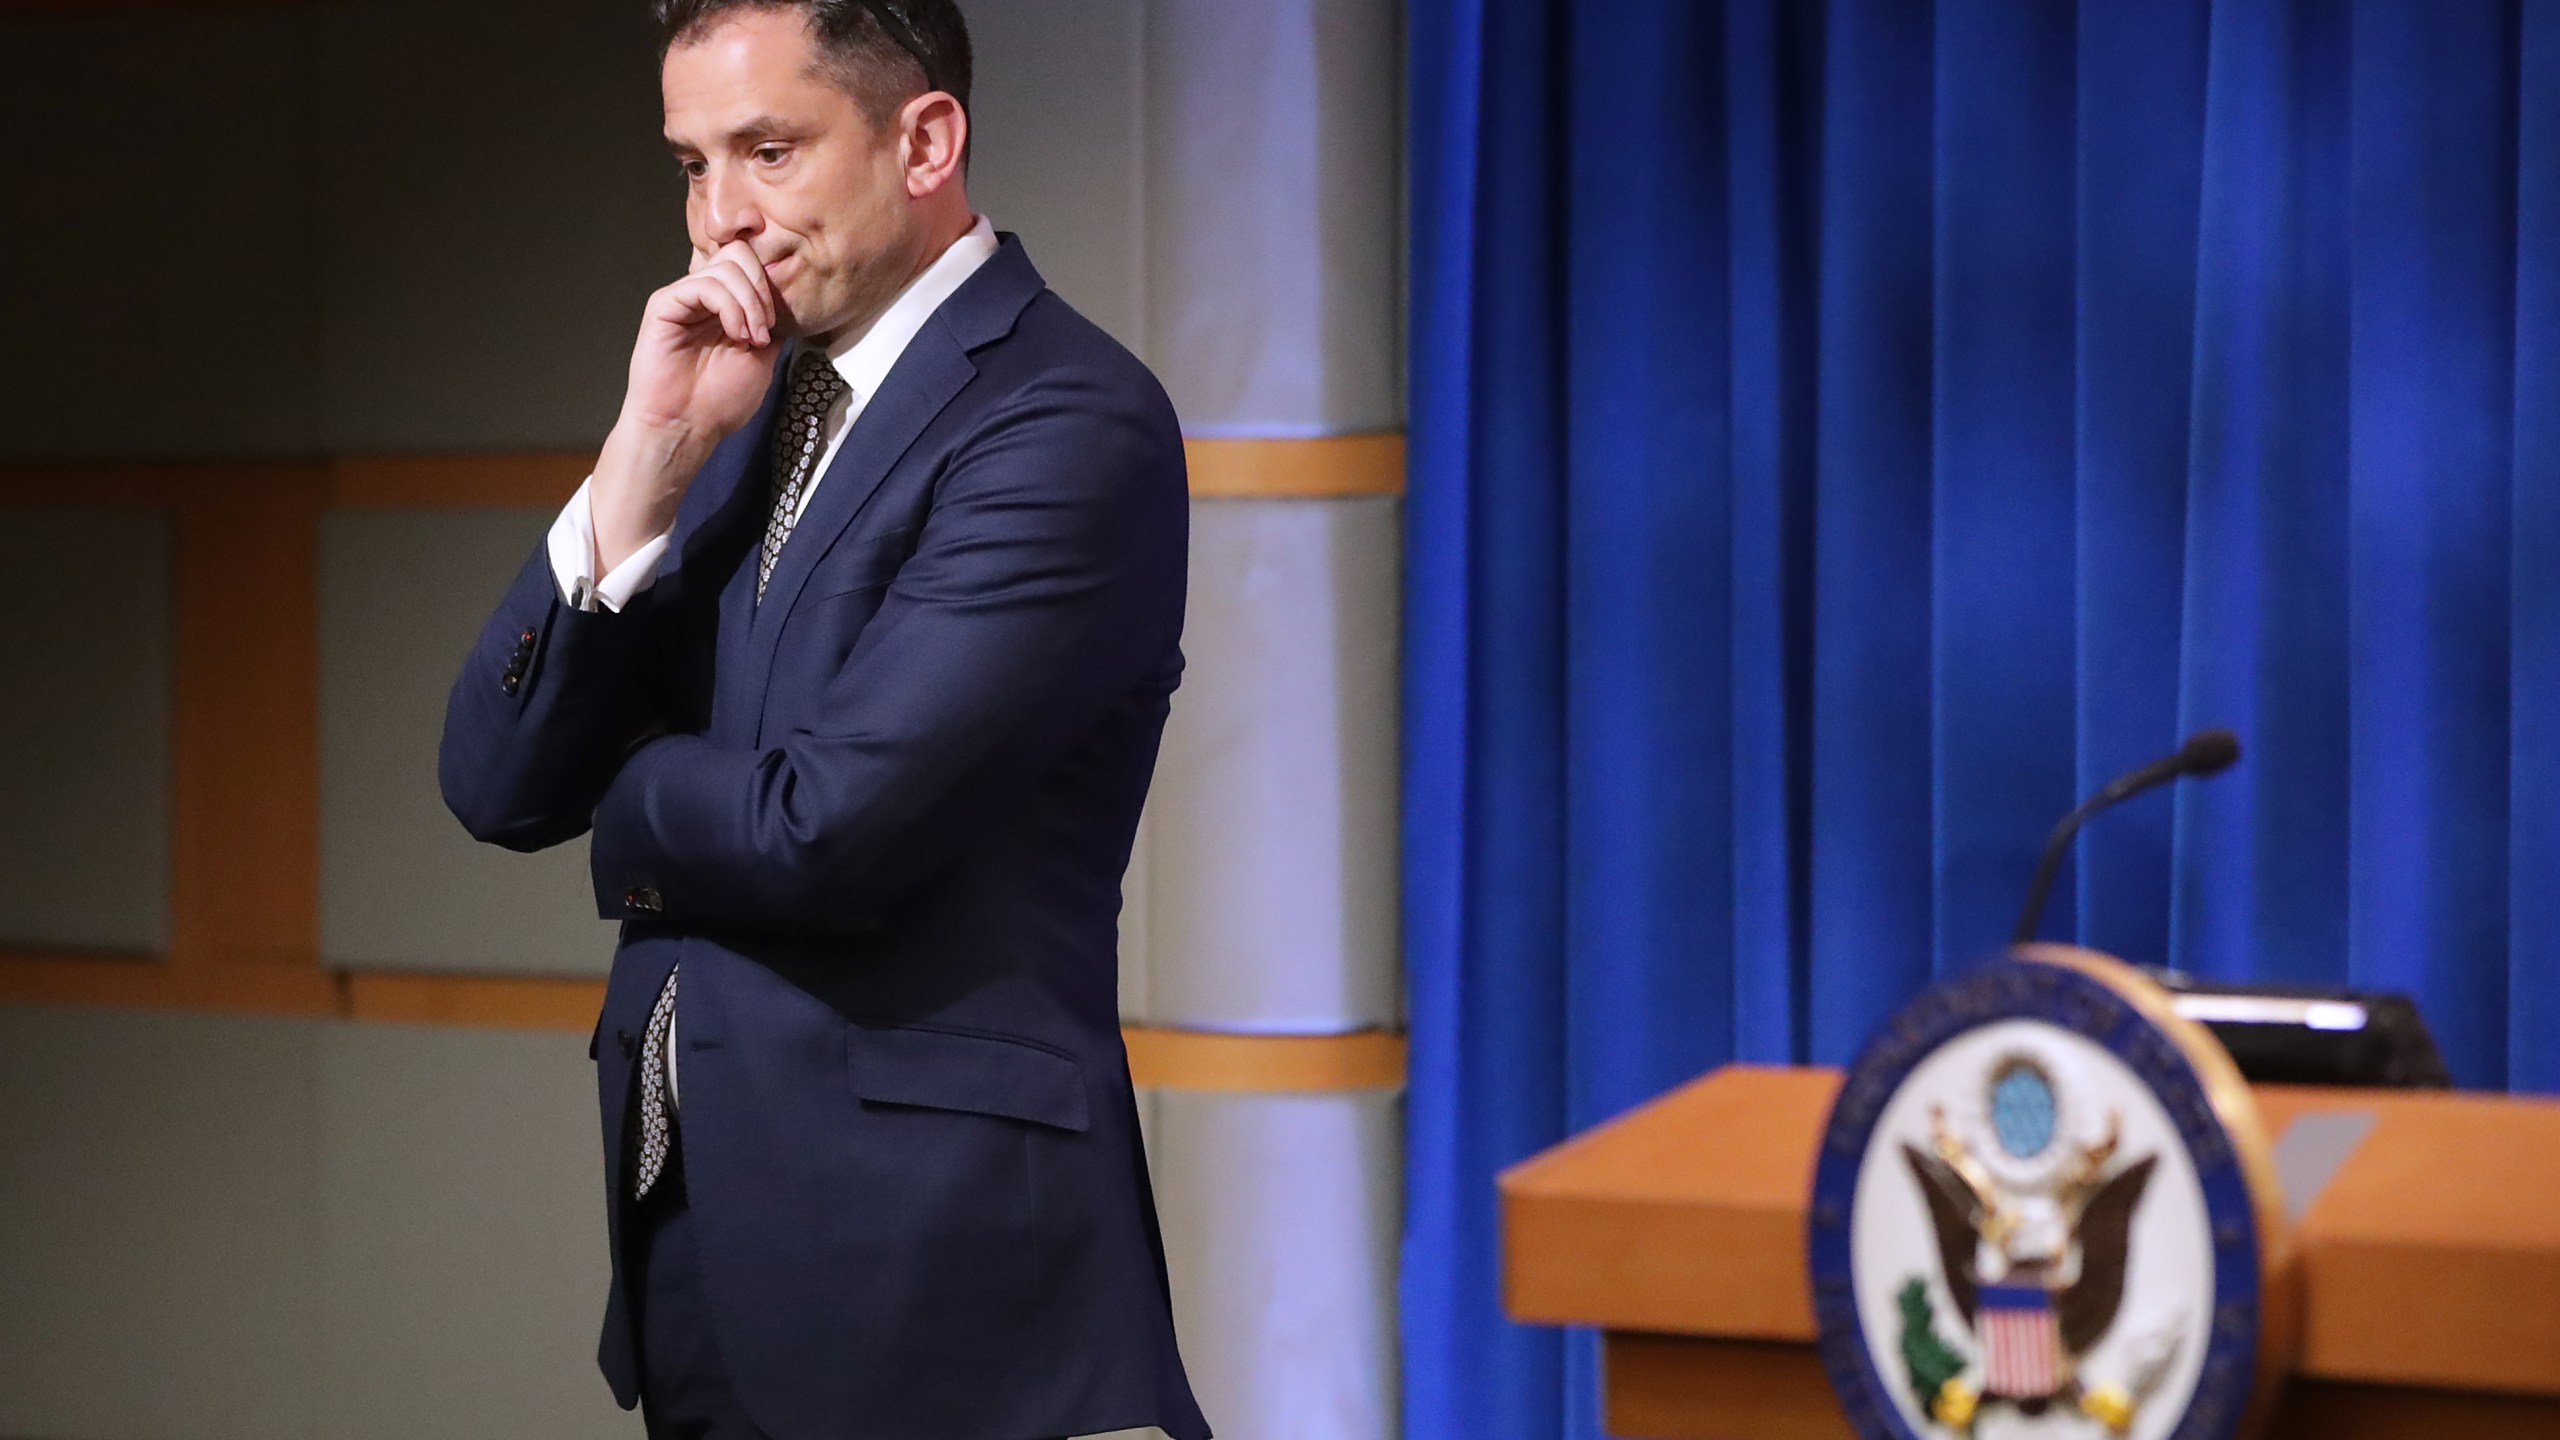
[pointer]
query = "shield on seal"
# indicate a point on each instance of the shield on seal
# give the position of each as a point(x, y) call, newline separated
point(2021, 1344)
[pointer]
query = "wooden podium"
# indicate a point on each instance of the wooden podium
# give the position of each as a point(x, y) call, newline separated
point(2429, 1264)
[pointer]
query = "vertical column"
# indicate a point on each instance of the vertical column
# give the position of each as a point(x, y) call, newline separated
point(1269, 304)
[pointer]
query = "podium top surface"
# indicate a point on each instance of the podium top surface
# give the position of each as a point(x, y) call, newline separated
point(2432, 1256)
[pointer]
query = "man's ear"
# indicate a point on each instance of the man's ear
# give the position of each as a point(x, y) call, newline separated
point(933, 133)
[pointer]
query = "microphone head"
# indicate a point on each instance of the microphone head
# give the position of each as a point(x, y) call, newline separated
point(2209, 752)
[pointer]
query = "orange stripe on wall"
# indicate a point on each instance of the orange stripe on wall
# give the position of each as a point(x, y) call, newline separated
point(148, 984)
point(488, 1002)
point(141, 485)
point(1323, 467)
point(1329, 467)
point(1158, 1058)
point(429, 482)
point(1265, 1064)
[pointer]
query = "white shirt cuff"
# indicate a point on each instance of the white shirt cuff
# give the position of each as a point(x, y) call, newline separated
point(573, 552)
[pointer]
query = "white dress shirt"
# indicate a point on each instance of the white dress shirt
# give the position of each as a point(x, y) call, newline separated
point(864, 358)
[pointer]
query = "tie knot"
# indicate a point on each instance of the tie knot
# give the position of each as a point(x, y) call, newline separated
point(815, 384)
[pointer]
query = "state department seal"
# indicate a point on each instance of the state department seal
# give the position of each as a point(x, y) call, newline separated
point(2045, 1208)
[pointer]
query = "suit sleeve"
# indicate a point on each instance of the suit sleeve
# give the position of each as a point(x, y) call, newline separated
point(1046, 586)
point(548, 701)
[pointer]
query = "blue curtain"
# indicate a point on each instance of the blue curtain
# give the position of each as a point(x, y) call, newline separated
point(1844, 434)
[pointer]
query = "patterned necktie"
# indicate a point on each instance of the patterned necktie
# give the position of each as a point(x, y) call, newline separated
point(797, 443)
point(653, 1090)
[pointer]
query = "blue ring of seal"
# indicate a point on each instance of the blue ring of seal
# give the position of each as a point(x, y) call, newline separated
point(2007, 988)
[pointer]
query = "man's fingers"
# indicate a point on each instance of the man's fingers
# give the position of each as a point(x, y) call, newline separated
point(697, 298)
point(737, 317)
point(749, 265)
point(759, 305)
point(735, 268)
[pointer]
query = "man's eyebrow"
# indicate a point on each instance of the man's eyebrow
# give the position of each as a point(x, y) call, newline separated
point(761, 128)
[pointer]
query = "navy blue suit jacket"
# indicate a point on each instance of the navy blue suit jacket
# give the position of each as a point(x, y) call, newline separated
point(881, 818)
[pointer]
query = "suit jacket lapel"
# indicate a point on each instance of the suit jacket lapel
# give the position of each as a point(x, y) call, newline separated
point(932, 372)
point(746, 466)
point(926, 377)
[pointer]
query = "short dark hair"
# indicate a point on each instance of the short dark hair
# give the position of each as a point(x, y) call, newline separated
point(859, 43)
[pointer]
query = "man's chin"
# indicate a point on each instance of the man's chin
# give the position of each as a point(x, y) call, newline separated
point(793, 321)
point(805, 321)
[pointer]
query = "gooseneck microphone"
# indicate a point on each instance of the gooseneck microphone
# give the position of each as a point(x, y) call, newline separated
point(2207, 752)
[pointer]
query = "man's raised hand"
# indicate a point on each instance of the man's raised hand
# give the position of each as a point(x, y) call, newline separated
point(698, 372)
point(706, 347)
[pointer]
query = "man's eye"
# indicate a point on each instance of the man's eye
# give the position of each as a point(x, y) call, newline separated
point(692, 169)
point(769, 154)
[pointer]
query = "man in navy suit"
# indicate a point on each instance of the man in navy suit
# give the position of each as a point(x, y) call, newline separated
point(853, 652)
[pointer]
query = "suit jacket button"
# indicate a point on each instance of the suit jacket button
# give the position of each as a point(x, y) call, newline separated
point(630, 1043)
point(512, 683)
point(645, 899)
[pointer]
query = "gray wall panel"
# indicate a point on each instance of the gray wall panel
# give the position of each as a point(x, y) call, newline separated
point(84, 741)
point(402, 594)
point(159, 1260)
point(160, 232)
point(1272, 182)
point(489, 235)
point(1057, 158)
point(1281, 1217)
point(1272, 835)
point(465, 1264)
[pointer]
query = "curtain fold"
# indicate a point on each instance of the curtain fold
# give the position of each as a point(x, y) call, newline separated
point(1845, 433)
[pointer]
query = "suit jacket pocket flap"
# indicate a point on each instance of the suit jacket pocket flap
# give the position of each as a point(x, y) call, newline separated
point(950, 1070)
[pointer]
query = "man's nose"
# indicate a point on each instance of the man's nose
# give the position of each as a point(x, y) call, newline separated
point(729, 209)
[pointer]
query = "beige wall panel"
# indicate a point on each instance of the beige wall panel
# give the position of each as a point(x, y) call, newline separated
point(84, 741)
point(465, 1265)
point(1273, 850)
point(158, 231)
point(402, 595)
point(1281, 1219)
point(159, 1256)
point(1056, 159)
point(1272, 192)
point(1146, 1098)
point(1136, 908)
point(487, 239)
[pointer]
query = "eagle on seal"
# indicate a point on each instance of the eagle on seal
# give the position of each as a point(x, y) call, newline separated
point(2062, 1242)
